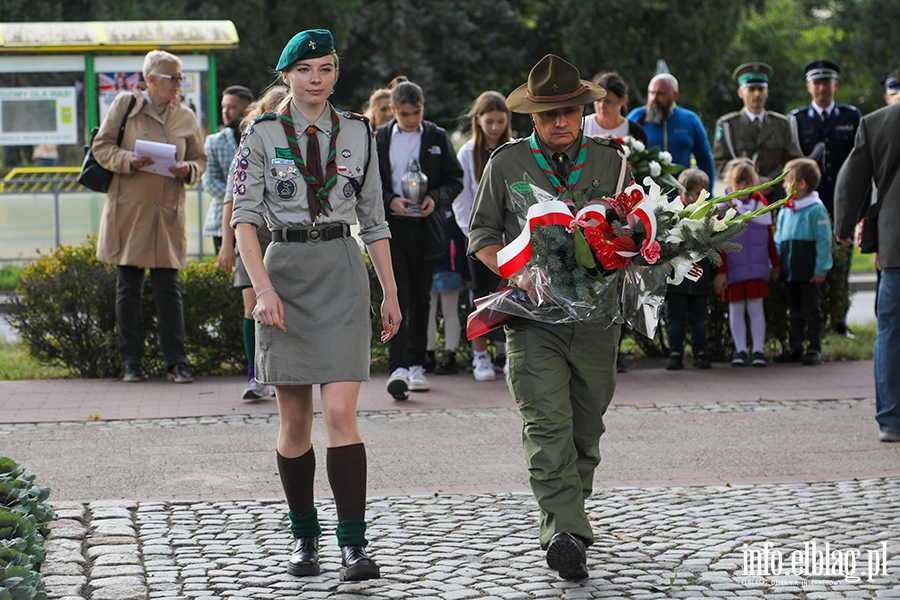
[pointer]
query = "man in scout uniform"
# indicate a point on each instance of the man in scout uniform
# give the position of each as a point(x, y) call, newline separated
point(753, 132)
point(824, 130)
point(562, 375)
point(891, 85)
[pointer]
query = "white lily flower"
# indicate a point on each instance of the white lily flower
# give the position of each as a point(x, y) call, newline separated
point(719, 225)
point(655, 191)
point(675, 236)
point(680, 268)
point(665, 158)
point(655, 169)
point(638, 145)
point(729, 214)
point(692, 224)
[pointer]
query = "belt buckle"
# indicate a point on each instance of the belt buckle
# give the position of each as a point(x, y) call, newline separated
point(314, 235)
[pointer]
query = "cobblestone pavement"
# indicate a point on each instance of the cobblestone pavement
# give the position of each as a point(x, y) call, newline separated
point(682, 542)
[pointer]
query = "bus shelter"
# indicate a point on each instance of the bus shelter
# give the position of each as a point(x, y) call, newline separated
point(56, 80)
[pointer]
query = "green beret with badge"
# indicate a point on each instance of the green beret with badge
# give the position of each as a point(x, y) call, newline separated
point(753, 74)
point(312, 43)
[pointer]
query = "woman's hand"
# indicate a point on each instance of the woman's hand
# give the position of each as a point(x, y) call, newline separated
point(139, 162)
point(390, 317)
point(181, 170)
point(227, 257)
point(269, 310)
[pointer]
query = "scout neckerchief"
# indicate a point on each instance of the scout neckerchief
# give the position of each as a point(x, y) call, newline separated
point(317, 191)
point(546, 168)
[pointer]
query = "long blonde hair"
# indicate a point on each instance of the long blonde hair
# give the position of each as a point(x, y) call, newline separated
point(272, 101)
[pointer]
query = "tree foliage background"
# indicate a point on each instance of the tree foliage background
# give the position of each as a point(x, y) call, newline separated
point(458, 48)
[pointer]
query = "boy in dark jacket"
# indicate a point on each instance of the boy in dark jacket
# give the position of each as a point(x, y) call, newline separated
point(687, 302)
point(418, 231)
point(804, 247)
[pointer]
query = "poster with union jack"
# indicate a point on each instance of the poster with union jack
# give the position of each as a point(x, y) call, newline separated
point(112, 84)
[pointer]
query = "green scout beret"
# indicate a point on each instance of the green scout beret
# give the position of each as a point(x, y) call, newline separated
point(753, 74)
point(312, 43)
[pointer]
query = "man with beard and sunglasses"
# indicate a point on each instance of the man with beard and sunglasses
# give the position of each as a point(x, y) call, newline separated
point(675, 130)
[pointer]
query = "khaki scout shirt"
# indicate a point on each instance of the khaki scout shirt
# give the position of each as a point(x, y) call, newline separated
point(494, 219)
point(769, 146)
point(268, 188)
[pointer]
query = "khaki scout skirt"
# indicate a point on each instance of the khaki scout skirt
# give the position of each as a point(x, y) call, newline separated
point(324, 288)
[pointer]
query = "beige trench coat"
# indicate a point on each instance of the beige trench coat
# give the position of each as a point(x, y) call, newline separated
point(142, 224)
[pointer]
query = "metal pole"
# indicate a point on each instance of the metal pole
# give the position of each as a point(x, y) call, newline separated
point(90, 95)
point(213, 95)
point(200, 217)
point(56, 211)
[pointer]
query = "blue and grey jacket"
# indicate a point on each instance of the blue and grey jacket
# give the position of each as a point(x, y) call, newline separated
point(804, 239)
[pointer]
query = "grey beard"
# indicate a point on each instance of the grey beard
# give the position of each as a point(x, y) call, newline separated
point(658, 114)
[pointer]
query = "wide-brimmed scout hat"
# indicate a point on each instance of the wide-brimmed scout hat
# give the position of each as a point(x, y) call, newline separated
point(753, 74)
point(312, 43)
point(553, 83)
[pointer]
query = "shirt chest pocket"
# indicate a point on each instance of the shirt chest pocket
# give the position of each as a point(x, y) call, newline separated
point(350, 178)
point(285, 180)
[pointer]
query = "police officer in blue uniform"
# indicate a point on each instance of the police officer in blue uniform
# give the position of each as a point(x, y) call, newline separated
point(825, 130)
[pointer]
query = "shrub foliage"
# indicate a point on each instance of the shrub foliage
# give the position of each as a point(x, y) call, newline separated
point(65, 314)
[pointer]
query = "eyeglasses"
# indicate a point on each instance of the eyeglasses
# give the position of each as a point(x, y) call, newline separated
point(174, 78)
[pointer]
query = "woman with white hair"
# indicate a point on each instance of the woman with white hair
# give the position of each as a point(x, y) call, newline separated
point(142, 225)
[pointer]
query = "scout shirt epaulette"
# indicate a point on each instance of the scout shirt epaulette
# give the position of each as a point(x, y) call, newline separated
point(508, 144)
point(269, 116)
point(729, 116)
point(606, 141)
point(354, 116)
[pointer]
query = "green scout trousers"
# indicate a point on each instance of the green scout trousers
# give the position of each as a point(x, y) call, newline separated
point(563, 378)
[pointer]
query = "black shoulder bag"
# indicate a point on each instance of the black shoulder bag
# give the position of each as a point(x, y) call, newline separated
point(93, 175)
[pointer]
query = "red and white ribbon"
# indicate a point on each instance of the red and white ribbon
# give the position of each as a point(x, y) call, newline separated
point(516, 255)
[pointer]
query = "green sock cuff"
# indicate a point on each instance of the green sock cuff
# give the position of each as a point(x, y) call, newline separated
point(352, 533)
point(307, 525)
point(250, 340)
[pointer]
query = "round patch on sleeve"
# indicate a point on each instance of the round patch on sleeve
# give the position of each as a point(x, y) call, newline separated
point(244, 164)
point(348, 190)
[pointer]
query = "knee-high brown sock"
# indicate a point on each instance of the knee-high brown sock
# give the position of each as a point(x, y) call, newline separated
point(346, 467)
point(297, 475)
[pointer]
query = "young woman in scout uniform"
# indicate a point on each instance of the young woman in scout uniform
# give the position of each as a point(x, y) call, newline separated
point(312, 291)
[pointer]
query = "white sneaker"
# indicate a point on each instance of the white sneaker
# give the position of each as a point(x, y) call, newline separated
point(255, 391)
point(483, 368)
point(398, 384)
point(417, 381)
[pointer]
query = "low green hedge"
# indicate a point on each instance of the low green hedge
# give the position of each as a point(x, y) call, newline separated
point(65, 314)
point(23, 527)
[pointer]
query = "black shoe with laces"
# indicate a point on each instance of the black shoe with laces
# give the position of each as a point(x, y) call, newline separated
point(676, 362)
point(791, 355)
point(448, 365)
point(701, 361)
point(566, 554)
point(356, 564)
point(812, 357)
point(179, 374)
point(304, 557)
point(133, 374)
point(759, 359)
point(740, 359)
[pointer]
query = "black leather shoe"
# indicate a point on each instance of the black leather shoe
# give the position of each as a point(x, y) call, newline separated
point(356, 564)
point(304, 557)
point(133, 374)
point(566, 554)
point(812, 357)
point(676, 362)
point(180, 374)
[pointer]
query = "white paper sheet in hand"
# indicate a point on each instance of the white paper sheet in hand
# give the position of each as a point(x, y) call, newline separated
point(163, 156)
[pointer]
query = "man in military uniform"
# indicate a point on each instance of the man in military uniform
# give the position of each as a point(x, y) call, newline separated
point(824, 130)
point(753, 132)
point(891, 85)
point(562, 375)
